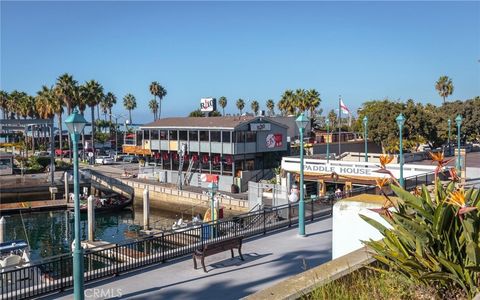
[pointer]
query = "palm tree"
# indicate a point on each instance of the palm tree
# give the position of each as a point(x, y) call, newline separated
point(130, 103)
point(255, 107)
point(223, 103)
point(153, 105)
point(158, 91)
point(64, 88)
point(111, 100)
point(93, 93)
point(4, 103)
point(240, 105)
point(444, 86)
point(301, 100)
point(288, 104)
point(313, 101)
point(46, 105)
point(271, 107)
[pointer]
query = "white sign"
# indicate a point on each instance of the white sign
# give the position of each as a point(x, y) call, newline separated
point(260, 126)
point(346, 168)
point(208, 104)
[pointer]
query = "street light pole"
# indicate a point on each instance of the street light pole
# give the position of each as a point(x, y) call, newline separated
point(458, 120)
point(301, 123)
point(213, 189)
point(365, 123)
point(327, 122)
point(401, 121)
point(449, 146)
point(75, 124)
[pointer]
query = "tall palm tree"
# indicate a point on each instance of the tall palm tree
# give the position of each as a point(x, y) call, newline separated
point(130, 103)
point(64, 88)
point(46, 105)
point(271, 107)
point(240, 105)
point(301, 100)
point(93, 93)
point(444, 87)
point(222, 101)
point(288, 104)
point(4, 103)
point(158, 91)
point(255, 107)
point(313, 101)
point(153, 105)
point(111, 100)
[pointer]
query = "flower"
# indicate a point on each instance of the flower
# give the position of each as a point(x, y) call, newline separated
point(453, 175)
point(385, 159)
point(456, 198)
point(440, 159)
point(382, 182)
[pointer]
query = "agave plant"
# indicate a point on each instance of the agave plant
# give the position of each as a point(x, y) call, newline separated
point(433, 240)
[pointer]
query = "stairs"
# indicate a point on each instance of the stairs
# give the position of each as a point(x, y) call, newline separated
point(188, 174)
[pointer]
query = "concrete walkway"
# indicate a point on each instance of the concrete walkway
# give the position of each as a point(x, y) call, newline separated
point(268, 260)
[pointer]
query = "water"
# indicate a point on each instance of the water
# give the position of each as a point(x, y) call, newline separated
point(51, 232)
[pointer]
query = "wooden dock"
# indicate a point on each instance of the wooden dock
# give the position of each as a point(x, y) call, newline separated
point(26, 206)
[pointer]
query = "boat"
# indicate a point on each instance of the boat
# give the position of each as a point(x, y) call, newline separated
point(14, 254)
point(181, 225)
point(104, 203)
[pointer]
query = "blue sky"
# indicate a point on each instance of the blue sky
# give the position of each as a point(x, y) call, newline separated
point(249, 50)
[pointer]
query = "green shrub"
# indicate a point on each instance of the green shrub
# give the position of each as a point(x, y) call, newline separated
point(42, 161)
point(62, 165)
point(433, 240)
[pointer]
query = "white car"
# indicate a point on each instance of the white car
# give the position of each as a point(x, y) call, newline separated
point(104, 160)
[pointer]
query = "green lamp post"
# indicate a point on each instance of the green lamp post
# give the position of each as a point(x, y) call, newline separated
point(365, 136)
point(449, 146)
point(75, 124)
point(458, 120)
point(327, 123)
point(302, 122)
point(401, 121)
point(213, 188)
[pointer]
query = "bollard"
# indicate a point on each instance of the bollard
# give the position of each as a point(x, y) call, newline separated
point(91, 218)
point(66, 186)
point(146, 208)
point(2, 229)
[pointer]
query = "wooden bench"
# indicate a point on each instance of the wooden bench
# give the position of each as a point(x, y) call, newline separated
point(217, 247)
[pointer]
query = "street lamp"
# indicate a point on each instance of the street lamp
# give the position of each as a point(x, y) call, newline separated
point(401, 121)
point(116, 130)
point(213, 187)
point(75, 124)
point(458, 120)
point(302, 122)
point(365, 122)
point(327, 122)
point(449, 146)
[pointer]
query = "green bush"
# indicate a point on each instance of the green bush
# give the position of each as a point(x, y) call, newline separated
point(62, 165)
point(433, 240)
point(42, 161)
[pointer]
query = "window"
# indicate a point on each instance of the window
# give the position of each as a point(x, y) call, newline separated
point(154, 134)
point(215, 136)
point(182, 135)
point(163, 135)
point(146, 134)
point(173, 135)
point(251, 137)
point(226, 136)
point(193, 135)
point(204, 136)
point(240, 136)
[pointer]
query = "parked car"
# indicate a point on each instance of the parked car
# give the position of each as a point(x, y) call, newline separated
point(41, 153)
point(130, 159)
point(119, 157)
point(104, 160)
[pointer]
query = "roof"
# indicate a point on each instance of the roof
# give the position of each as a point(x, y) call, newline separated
point(230, 122)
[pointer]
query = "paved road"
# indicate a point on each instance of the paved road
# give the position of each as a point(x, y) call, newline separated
point(268, 260)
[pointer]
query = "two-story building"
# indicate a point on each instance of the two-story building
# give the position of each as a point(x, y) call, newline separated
point(237, 148)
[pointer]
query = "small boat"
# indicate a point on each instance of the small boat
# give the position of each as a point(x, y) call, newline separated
point(14, 254)
point(104, 203)
point(181, 224)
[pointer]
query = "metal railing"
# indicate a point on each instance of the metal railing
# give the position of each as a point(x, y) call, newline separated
point(55, 274)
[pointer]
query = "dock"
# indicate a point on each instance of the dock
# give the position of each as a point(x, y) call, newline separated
point(28, 206)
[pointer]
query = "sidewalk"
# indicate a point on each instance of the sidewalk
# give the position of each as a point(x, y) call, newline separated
point(268, 260)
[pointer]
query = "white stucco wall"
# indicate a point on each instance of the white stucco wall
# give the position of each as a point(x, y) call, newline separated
point(349, 229)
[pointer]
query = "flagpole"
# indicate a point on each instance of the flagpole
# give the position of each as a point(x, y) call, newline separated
point(339, 124)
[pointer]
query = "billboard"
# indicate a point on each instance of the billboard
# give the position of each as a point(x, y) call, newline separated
point(208, 104)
